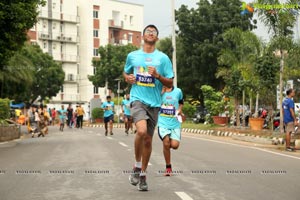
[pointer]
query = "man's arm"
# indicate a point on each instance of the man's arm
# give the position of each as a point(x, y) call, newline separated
point(129, 78)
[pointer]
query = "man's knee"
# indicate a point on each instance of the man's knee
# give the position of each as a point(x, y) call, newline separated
point(175, 145)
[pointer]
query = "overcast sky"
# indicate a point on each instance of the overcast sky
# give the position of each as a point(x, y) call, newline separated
point(158, 12)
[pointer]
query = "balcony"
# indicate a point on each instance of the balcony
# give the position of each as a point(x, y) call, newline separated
point(115, 24)
point(45, 14)
point(59, 37)
point(65, 58)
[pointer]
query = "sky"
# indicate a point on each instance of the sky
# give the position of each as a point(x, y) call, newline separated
point(158, 12)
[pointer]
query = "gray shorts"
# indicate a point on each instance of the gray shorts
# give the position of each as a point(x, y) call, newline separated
point(140, 111)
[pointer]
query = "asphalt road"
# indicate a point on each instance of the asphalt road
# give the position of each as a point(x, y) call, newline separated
point(84, 164)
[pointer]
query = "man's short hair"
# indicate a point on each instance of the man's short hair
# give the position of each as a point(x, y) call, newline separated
point(289, 91)
point(108, 97)
point(150, 26)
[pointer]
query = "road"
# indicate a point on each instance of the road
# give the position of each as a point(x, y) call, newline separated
point(84, 164)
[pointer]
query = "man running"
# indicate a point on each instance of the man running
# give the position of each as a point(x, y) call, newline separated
point(62, 117)
point(147, 70)
point(127, 115)
point(169, 123)
point(108, 106)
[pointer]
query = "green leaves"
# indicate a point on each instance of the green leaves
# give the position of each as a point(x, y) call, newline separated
point(31, 73)
point(16, 18)
point(110, 66)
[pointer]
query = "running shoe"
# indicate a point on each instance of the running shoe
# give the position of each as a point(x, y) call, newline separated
point(105, 133)
point(143, 186)
point(126, 132)
point(135, 176)
point(168, 171)
point(111, 133)
point(290, 149)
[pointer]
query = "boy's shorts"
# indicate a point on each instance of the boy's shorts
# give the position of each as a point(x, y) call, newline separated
point(174, 134)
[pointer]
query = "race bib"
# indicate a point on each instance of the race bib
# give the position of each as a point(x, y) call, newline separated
point(167, 111)
point(143, 78)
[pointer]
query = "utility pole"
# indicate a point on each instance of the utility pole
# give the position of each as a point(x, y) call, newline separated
point(174, 43)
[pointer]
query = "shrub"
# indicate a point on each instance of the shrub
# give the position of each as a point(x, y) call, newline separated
point(97, 113)
point(188, 110)
point(4, 109)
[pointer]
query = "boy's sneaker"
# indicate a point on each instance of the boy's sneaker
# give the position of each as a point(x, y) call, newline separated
point(168, 171)
point(289, 149)
point(143, 186)
point(134, 177)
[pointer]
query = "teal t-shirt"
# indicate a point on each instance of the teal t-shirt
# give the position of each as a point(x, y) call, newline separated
point(126, 106)
point(147, 89)
point(62, 114)
point(170, 104)
point(110, 106)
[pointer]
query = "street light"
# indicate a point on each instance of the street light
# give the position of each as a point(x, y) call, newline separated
point(119, 81)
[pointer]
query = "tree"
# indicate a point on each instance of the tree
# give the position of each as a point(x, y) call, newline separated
point(110, 66)
point(16, 18)
point(280, 23)
point(31, 74)
point(241, 49)
point(200, 31)
point(49, 75)
point(165, 45)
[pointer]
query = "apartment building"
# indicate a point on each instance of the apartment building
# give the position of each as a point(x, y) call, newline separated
point(72, 31)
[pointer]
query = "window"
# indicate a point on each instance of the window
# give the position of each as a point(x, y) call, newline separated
point(95, 14)
point(130, 38)
point(62, 89)
point(94, 70)
point(95, 53)
point(131, 20)
point(96, 33)
point(45, 45)
point(96, 90)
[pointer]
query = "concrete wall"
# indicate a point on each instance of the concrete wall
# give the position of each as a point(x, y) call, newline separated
point(9, 132)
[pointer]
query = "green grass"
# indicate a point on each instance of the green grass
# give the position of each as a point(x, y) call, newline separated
point(199, 126)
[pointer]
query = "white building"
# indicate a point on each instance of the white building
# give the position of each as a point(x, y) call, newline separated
point(72, 31)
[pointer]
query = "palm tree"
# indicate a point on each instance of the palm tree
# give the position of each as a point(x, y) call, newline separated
point(280, 23)
point(242, 49)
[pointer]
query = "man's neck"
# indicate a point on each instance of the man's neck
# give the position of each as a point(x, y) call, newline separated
point(148, 48)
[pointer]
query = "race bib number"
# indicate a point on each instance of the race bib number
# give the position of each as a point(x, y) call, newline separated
point(167, 111)
point(145, 80)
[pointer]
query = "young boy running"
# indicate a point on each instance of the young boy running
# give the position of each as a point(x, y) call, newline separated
point(108, 108)
point(169, 123)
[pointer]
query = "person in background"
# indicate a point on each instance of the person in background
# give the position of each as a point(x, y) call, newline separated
point(289, 117)
point(80, 112)
point(127, 116)
point(108, 106)
point(53, 111)
point(70, 115)
point(62, 117)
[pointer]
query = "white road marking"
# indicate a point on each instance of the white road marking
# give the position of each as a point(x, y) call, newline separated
point(124, 145)
point(239, 145)
point(183, 196)
point(98, 134)
point(110, 138)
point(149, 164)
